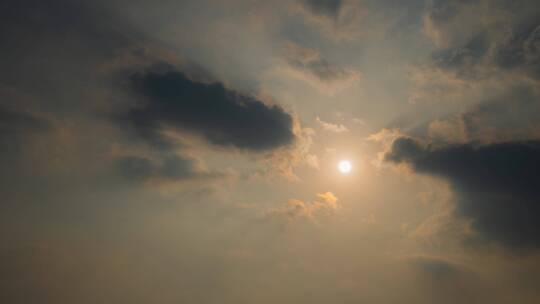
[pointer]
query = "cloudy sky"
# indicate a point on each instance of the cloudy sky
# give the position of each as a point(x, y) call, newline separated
point(187, 151)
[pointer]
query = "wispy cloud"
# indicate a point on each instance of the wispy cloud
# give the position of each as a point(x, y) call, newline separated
point(337, 128)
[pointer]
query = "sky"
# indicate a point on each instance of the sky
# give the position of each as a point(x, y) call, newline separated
point(188, 151)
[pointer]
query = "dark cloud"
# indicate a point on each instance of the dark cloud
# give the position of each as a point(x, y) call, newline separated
point(498, 185)
point(328, 8)
point(222, 116)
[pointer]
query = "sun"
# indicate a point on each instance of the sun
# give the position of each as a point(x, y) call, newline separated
point(344, 166)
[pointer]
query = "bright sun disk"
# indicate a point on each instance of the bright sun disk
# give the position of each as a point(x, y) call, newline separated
point(345, 166)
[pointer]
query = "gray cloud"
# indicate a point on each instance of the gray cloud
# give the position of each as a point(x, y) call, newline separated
point(447, 282)
point(172, 168)
point(521, 49)
point(508, 39)
point(16, 128)
point(13, 121)
point(435, 268)
point(462, 59)
point(311, 61)
point(321, 69)
point(309, 65)
point(328, 8)
point(498, 185)
point(508, 116)
point(66, 33)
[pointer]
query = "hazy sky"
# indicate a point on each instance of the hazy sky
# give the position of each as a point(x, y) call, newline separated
point(186, 151)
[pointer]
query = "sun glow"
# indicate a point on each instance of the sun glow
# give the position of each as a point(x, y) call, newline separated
point(344, 166)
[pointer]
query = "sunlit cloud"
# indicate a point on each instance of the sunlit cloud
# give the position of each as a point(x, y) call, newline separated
point(308, 209)
point(337, 128)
